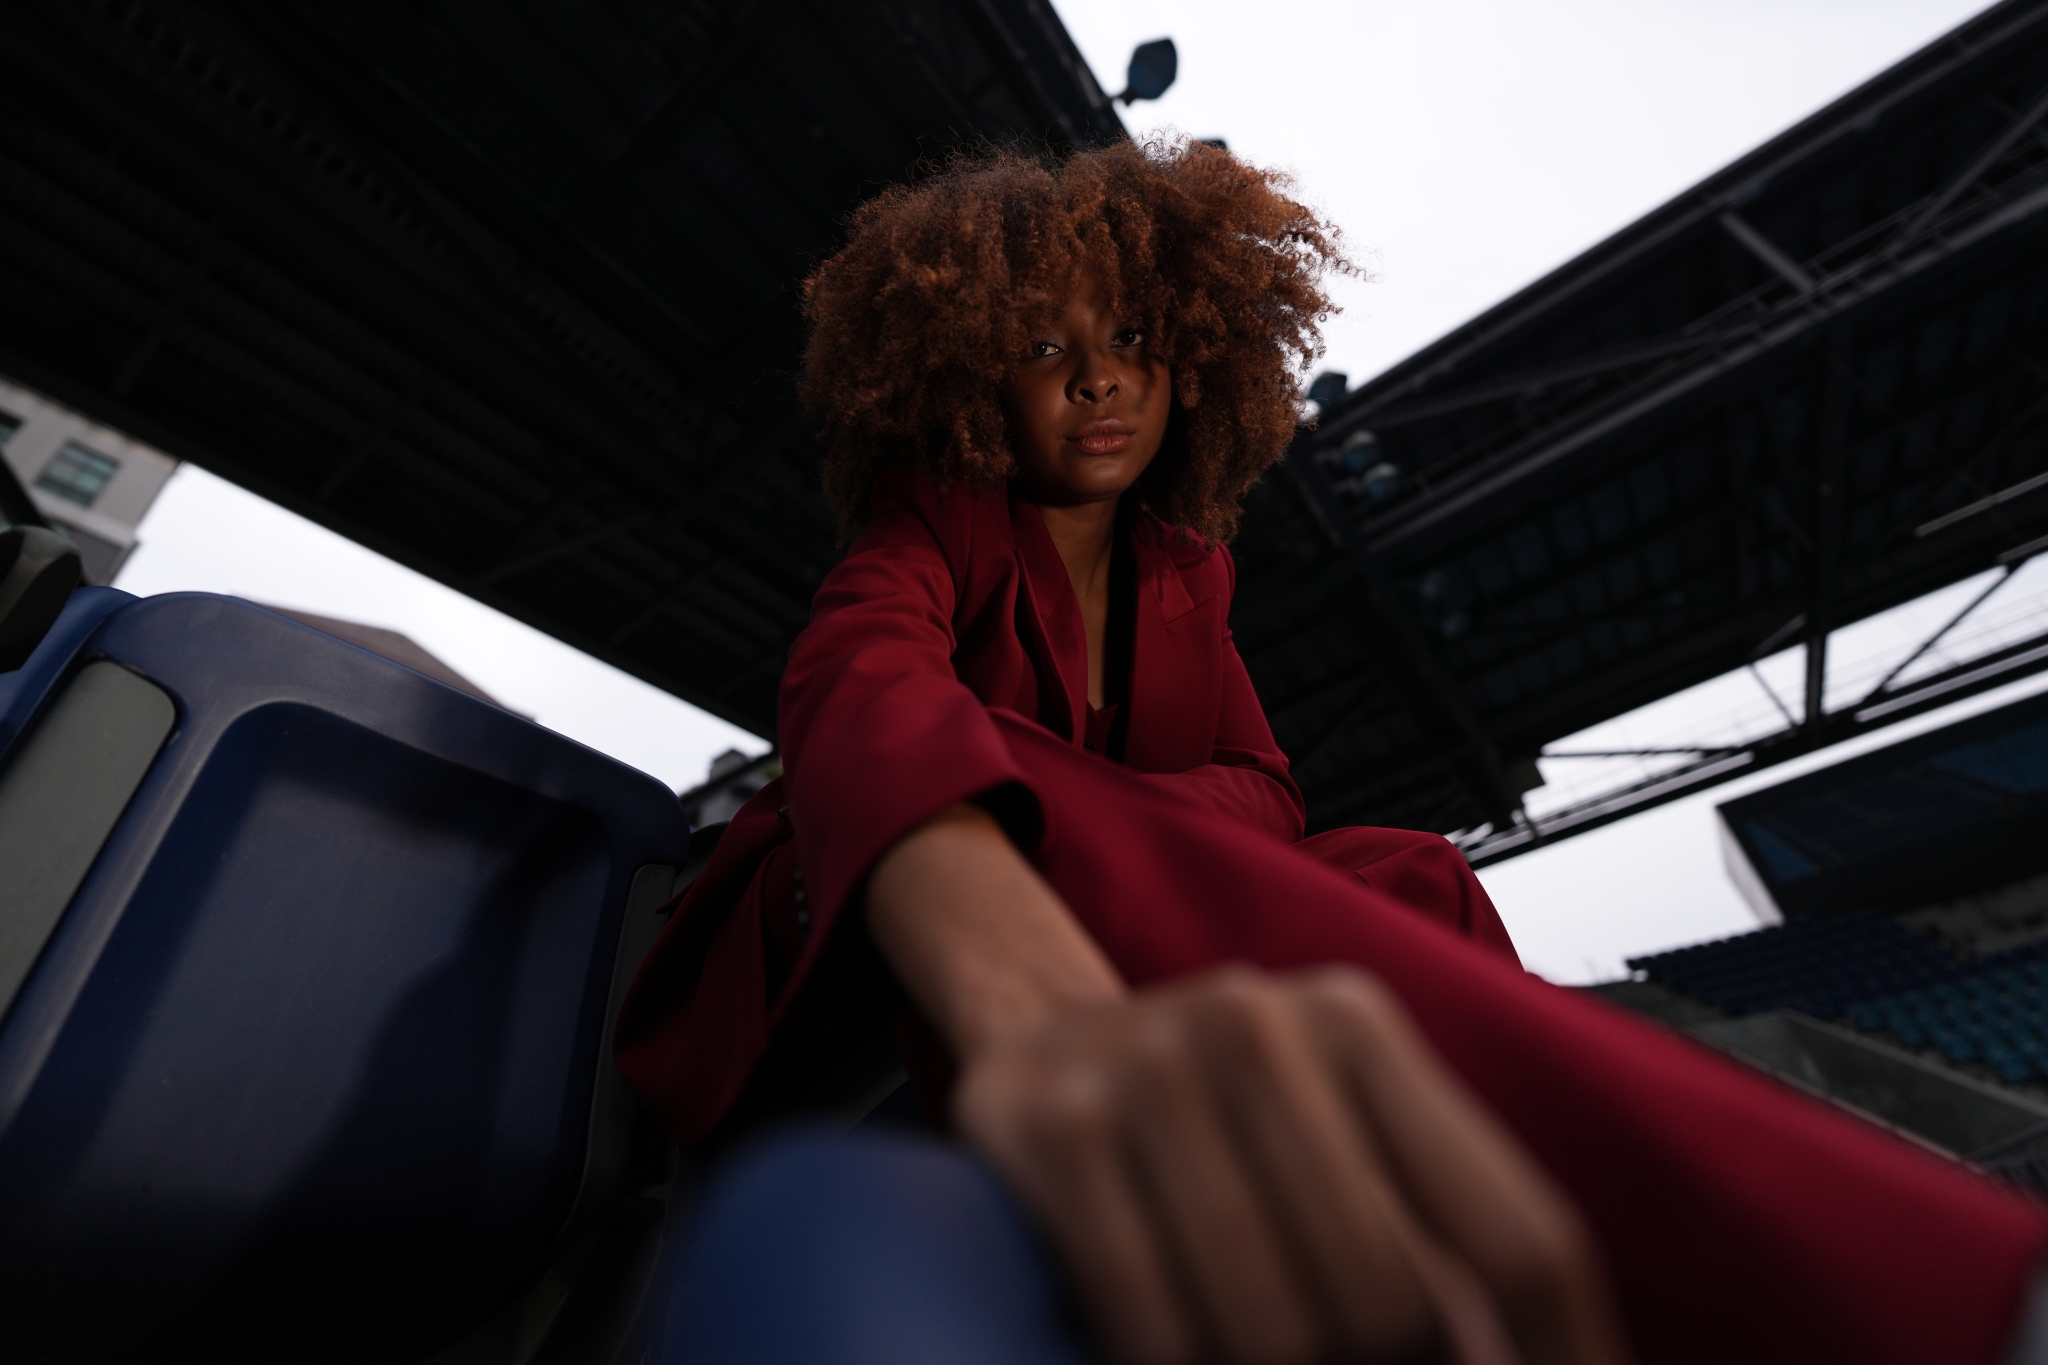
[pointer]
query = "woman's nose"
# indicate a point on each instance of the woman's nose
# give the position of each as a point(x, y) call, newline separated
point(1096, 387)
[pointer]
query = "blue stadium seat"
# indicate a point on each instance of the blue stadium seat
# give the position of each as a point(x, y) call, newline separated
point(24, 689)
point(1878, 976)
point(1822, 966)
point(1996, 1017)
point(307, 967)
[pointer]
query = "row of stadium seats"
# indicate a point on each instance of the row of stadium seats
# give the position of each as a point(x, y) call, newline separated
point(1870, 972)
point(1997, 1019)
point(1820, 966)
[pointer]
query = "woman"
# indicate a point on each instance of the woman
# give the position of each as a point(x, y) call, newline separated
point(1026, 768)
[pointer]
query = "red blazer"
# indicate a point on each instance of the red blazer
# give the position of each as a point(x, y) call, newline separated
point(923, 628)
point(946, 609)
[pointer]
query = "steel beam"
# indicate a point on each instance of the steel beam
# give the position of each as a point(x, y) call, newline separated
point(1765, 250)
point(1381, 417)
point(1968, 679)
point(1918, 225)
point(1824, 132)
point(1431, 693)
point(1840, 297)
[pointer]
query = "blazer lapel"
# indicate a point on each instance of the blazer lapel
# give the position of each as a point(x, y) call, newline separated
point(1049, 621)
point(1175, 664)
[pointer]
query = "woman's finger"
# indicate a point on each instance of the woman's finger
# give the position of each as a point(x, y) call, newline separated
point(1237, 1275)
point(1468, 1181)
point(1055, 1134)
point(1353, 1244)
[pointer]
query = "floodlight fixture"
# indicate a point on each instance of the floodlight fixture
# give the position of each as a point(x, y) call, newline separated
point(1359, 450)
point(1152, 69)
point(1382, 481)
point(1327, 389)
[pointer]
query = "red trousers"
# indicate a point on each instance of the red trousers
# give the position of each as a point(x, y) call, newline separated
point(1740, 1221)
point(1422, 872)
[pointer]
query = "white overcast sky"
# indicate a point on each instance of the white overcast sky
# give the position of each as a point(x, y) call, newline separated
point(1465, 147)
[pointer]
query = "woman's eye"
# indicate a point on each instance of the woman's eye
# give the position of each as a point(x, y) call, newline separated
point(1041, 349)
point(1129, 336)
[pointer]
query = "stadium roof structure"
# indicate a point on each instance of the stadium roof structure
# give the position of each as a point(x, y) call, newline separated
point(1930, 821)
point(506, 292)
point(1807, 390)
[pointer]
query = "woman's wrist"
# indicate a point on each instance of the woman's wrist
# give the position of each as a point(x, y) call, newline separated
point(979, 939)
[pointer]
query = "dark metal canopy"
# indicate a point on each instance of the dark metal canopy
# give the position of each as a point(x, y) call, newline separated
point(1812, 388)
point(1918, 824)
point(504, 291)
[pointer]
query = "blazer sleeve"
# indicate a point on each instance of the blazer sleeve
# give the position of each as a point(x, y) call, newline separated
point(1246, 777)
point(878, 733)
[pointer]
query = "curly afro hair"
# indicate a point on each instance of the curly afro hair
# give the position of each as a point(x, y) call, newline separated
point(918, 322)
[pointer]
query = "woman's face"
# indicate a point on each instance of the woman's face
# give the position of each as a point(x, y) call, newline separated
point(1087, 404)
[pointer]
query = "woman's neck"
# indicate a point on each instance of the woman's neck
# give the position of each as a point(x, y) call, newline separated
point(1084, 534)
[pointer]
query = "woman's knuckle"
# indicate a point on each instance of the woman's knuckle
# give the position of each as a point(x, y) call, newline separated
point(1249, 1001)
point(1231, 1002)
point(1354, 992)
point(1074, 1111)
point(1235, 977)
point(1161, 1042)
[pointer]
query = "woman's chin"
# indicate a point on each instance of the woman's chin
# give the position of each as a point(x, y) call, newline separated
point(1085, 495)
point(1102, 480)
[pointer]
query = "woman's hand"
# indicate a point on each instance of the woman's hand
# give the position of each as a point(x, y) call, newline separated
point(1241, 1167)
point(1246, 1167)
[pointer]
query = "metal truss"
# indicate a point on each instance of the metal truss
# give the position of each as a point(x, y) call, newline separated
point(1824, 292)
point(1885, 704)
point(506, 293)
point(1807, 391)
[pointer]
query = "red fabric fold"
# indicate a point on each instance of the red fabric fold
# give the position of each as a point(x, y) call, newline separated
point(1424, 872)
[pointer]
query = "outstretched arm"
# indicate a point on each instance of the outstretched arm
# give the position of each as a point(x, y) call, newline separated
point(1243, 1167)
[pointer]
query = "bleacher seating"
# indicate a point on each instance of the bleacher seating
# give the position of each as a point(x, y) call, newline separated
point(1996, 1016)
point(1870, 972)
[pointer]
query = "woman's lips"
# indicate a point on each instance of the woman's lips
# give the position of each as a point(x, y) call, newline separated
point(1106, 437)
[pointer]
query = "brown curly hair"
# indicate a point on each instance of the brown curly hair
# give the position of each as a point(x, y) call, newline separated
point(918, 322)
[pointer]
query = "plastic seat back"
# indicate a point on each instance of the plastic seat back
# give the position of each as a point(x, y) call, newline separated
point(308, 1062)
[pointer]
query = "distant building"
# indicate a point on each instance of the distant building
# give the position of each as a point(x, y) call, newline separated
point(88, 481)
point(733, 778)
